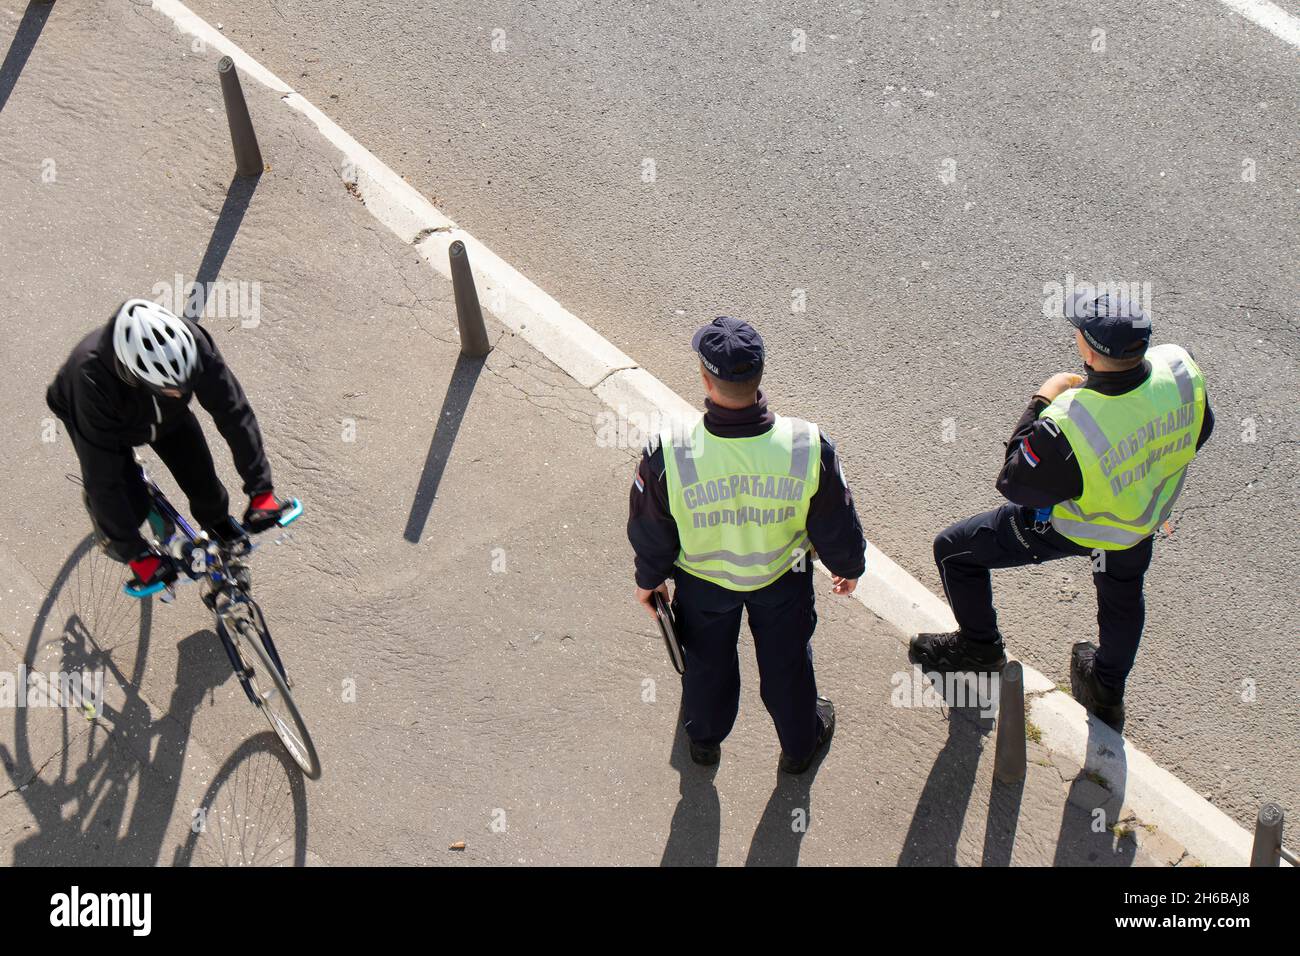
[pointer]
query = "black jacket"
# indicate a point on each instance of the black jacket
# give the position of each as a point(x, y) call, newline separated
point(833, 526)
point(1040, 469)
point(107, 417)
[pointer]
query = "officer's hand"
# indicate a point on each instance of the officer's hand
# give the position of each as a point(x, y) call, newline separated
point(843, 586)
point(1059, 383)
point(644, 597)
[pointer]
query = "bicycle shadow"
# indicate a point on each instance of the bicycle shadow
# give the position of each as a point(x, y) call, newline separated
point(102, 788)
point(254, 812)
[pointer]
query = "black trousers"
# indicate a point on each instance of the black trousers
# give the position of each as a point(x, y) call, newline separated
point(1005, 538)
point(185, 452)
point(782, 618)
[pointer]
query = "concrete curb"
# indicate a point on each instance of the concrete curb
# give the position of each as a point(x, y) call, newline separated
point(1153, 793)
point(886, 589)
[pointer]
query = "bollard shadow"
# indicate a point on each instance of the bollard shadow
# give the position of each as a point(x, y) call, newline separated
point(696, 833)
point(454, 404)
point(940, 813)
point(254, 813)
point(101, 786)
point(1003, 819)
point(1088, 837)
point(20, 48)
point(238, 198)
point(785, 819)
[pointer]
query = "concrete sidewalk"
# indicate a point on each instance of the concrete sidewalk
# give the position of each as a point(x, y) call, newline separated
point(456, 605)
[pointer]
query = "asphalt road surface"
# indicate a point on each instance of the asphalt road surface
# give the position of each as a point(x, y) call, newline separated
point(893, 196)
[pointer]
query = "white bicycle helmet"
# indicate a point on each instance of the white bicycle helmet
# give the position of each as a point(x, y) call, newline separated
point(154, 345)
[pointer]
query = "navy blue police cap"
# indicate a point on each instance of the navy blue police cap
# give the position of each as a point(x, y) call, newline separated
point(730, 349)
point(1112, 324)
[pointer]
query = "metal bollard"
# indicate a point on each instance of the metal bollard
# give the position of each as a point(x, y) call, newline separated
point(469, 316)
point(1267, 850)
point(248, 156)
point(1009, 759)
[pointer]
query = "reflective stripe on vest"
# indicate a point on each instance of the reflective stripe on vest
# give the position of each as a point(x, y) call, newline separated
point(741, 504)
point(1133, 451)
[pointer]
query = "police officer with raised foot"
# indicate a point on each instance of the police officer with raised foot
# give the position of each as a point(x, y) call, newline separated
point(731, 511)
point(1094, 468)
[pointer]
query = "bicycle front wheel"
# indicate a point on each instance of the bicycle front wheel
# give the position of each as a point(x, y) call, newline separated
point(272, 697)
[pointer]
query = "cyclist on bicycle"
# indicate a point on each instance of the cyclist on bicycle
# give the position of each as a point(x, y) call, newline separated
point(130, 384)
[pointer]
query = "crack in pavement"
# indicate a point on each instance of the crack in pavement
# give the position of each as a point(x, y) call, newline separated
point(61, 752)
point(1248, 486)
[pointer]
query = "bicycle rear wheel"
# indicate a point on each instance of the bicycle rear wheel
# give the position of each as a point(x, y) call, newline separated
point(271, 694)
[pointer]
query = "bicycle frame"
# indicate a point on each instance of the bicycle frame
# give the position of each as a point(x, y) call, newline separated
point(225, 587)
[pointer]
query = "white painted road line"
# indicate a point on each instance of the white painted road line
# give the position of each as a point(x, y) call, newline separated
point(887, 589)
point(1269, 16)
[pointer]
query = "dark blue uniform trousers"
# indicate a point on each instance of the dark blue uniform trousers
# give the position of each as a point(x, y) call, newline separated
point(1005, 538)
point(782, 618)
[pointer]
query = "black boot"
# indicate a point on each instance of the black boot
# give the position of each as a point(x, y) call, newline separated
point(952, 653)
point(705, 755)
point(1104, 703)
point(825, 714)
point(230, 534)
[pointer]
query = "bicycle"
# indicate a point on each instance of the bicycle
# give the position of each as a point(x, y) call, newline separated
point(223, 574)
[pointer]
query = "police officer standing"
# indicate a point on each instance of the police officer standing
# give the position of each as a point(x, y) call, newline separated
point(1094, 468)
point(731, 511)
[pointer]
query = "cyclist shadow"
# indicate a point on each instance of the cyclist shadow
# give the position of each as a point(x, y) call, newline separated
point(101, 784)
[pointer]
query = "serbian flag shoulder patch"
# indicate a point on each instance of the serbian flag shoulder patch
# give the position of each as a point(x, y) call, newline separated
point(1028, 453)
point(637, 483)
